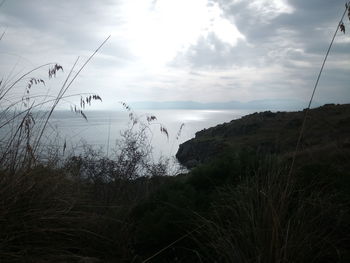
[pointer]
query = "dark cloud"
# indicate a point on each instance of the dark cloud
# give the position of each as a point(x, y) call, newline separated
point(295, 42)
point(76, 24)
point(209, 51)
point(213, 53)
point(308, 27)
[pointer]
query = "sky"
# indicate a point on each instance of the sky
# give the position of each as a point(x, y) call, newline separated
point(180, 50)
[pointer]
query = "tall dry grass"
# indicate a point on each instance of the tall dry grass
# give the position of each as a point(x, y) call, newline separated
point(46, 214)
point(271, 218)
point(24, 119)
point(47, 217)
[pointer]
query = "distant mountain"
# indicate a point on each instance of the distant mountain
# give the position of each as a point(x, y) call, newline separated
point(271, 104)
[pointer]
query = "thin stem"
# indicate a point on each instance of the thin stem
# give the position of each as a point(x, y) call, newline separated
point(21, 77)
point(36, 105)
point(2, 35)
point(65, 88)
point(59, 96)
point(312, 95)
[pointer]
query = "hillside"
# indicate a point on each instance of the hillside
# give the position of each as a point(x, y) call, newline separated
point(270, 132)
point(239, 205)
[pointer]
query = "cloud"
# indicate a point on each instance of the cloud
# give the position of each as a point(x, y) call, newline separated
point(204, 50)
point(285, 43)
point(59, 28)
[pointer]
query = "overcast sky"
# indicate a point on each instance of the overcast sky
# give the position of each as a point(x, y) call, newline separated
point(169, 50)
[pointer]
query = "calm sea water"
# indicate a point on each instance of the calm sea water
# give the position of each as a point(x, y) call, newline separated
point(103, 128)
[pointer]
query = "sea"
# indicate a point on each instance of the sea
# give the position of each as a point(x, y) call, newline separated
point(165, 130)
point(103, 129)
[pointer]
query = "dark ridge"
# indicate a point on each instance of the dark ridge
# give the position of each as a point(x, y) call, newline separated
point(270, 132)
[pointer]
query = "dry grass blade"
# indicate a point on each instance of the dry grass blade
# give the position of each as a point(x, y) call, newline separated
point(58, 98)
point(164, 131)
point(179, 131)
point(87, 61)
point(53, 71)
point(151, 118)
point(65, 87)
point(2, 35)
point(10, 87)
point(314, 89)
point(172, 244)
point(33, 107)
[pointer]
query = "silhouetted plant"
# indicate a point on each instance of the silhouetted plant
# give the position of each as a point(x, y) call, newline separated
point(23, 129)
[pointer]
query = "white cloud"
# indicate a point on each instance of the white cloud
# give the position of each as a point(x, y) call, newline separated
point(156, 33)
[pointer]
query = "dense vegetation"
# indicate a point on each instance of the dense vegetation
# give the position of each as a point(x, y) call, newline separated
point(242, 207)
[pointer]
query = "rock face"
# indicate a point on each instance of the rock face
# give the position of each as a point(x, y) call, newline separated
point(193, 152)
point(269, 132)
